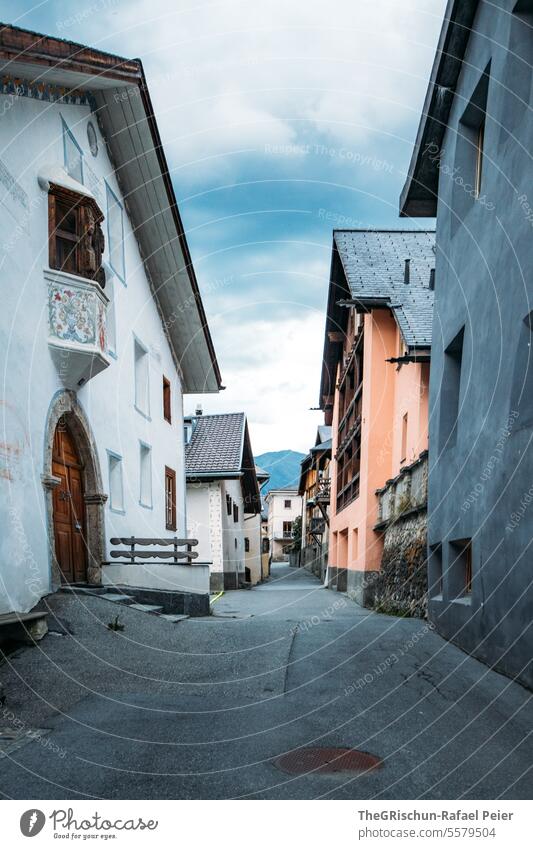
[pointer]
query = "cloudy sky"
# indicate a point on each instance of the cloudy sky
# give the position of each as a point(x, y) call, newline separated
point(281, 119)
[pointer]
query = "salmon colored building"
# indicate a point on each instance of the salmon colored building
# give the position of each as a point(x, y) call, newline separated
point(374, 386)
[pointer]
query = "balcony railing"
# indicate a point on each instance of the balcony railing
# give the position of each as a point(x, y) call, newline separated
point(323, 493)
point(77, 336)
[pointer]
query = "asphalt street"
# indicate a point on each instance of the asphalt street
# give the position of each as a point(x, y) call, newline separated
point(203, 708)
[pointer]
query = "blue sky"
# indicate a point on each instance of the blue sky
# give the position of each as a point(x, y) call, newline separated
point(280, 120)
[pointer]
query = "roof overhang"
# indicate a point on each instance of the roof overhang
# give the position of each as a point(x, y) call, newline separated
point(419, 196)
point(121, 102)
point(336, 321)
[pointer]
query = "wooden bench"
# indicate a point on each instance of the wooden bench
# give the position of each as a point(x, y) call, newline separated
point(172, 550)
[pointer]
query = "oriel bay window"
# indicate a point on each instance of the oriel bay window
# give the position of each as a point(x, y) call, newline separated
point(75, 236)
point(350, 388)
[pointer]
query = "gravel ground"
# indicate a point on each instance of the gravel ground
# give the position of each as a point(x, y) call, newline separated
point(203, 707)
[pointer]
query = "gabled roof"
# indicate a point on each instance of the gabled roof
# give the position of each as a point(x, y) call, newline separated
point(368, 267)
point(374, 265)
point(419, 195)
point(220, 448)
point(118, 93)
point(216, 444)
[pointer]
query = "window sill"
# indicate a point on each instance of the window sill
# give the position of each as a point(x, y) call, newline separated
point(466, 601)
point(146, 416)
point(112, 354)
point(146, 506)
point(59, 276)
point(118, 510)
point(117, 275)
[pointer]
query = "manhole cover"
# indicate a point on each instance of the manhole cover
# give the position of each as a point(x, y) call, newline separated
point(301, 761)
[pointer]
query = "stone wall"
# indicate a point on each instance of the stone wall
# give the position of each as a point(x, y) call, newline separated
point(401, 585)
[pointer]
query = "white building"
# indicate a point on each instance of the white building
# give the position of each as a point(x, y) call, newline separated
point(284, 506)
point(102, 325)
point(223, 501)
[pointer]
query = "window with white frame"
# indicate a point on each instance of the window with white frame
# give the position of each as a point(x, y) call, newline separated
point(145, 475)
point(72, 154)
point(115, 233)
point(116, 486)
point(142, 377)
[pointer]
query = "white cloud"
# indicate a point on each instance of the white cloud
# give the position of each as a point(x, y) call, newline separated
point(273, 374)
point(233, 76)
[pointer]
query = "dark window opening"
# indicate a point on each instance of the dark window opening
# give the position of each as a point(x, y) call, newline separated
point(229, 504)
point(75, 237)
point(167, 406)
point(469, 178)
point(235, 513)
point(246, 544)
point(265, 546)
point(522, 385)
point(435, 587)
point(170, 499)
point(460, 569)
point(287, 503)
point(287, 530)
point(450, 392)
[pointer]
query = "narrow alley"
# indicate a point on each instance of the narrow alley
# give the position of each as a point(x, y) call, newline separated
point(207, 707)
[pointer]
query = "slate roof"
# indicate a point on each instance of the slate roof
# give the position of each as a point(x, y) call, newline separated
point(216, 444)
point(323, 434)
point(374, 264)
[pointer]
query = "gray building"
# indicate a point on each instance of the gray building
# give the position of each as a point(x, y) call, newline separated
point(471, 168)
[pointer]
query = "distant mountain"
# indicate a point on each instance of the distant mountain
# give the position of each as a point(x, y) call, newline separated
point(283, 468)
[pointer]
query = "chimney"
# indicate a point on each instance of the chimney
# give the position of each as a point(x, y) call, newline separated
point(407, 271)
point(432, 279)
point(199, 410)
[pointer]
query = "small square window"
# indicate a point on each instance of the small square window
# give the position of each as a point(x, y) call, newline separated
point(450, 392)
point(288, 503)
point(460, 569)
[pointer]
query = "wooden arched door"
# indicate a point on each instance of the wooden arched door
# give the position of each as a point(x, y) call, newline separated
point(69, 507)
